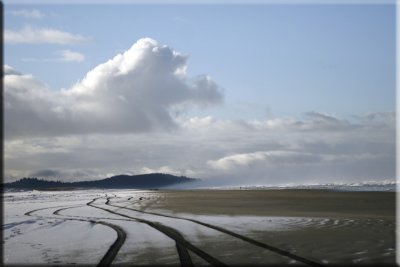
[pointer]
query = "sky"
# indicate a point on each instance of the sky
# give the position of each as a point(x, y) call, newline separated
point(234, 94)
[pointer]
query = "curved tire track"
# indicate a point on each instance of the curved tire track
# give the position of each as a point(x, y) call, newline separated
point(112, 252)
point(181, 243)
point(244, 238)
point(30, 212)
point(115, 247)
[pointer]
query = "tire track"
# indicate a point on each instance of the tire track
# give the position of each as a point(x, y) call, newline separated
point(181, 243)
point(115, 247)
point(30, 212)
point(112, 252)
point(236, 235)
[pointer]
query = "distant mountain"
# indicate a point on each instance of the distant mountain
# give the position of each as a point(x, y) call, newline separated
point(143, 181)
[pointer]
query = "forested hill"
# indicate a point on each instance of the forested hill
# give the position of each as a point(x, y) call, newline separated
point(142, 181)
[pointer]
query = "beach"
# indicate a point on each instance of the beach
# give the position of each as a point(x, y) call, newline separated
point(200, 227)
point(332, 227)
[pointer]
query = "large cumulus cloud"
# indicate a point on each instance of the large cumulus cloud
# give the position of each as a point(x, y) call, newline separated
point(117, 119)
point(136, 91)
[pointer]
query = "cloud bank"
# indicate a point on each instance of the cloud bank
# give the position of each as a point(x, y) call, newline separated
point(135, 91)
point(267, 152)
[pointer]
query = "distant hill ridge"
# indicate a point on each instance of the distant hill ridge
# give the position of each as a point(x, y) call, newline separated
point(142, 181)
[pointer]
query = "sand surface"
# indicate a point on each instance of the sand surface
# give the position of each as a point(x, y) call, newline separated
point(320, 226)
point(326, 226)
point(289, 202)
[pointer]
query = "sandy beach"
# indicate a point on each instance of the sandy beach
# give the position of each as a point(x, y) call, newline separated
point(200, 227)
point(335, 227)
point(284, 202)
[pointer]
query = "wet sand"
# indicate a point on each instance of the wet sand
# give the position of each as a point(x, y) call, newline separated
point(334, 227)
point(233, 227)
point(289, 202)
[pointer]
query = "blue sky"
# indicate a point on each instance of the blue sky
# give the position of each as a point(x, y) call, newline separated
point(277, 59)
point(271, 94)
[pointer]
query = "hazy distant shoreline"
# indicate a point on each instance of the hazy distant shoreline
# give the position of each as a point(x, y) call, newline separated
point(329, 187)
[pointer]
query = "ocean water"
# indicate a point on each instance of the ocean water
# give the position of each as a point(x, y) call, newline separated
point(386, 187)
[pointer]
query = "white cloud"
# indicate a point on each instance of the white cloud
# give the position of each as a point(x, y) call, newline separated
point(168, 170)
point(28, 13)
point(32, 35)
point(63, 56)
point(198, 122)
point(133, 92)
point(8, 70)
point(277, 157)
point(120, 117)
point(71, 56)
point(265, 157)
point(230, 151)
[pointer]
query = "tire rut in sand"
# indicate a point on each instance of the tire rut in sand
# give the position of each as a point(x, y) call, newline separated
point(112, 252)
point(236, 235)
point(182, 244)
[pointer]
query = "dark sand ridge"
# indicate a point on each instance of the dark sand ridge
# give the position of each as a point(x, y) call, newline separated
point(288, 202)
